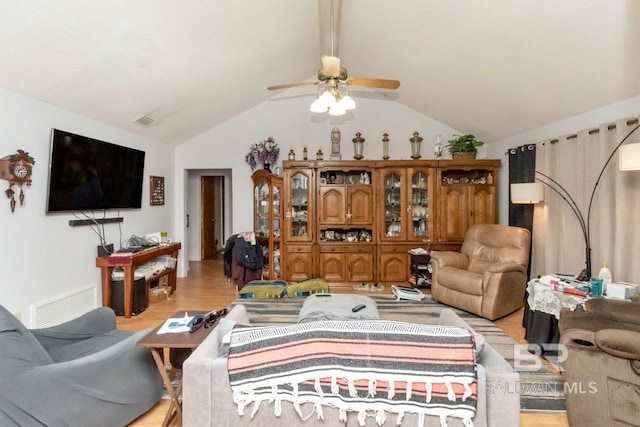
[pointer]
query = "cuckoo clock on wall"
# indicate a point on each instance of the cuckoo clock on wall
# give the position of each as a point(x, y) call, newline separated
point(16, 168)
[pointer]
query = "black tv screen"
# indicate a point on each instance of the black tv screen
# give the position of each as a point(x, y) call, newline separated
point(88, 174)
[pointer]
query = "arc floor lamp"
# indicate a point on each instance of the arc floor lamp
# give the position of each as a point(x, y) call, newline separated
point(533, 192)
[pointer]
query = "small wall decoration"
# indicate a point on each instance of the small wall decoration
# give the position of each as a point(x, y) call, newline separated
point(335, 144)
point(16, 168)
point(156, 195)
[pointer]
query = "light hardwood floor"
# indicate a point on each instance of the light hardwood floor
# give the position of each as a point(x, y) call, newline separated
point(206, 288)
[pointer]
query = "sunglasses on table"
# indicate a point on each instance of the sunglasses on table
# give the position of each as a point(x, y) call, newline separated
point(208, 320)
point(211, 317)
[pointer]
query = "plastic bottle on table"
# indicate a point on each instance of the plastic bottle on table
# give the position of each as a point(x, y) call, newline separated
point(605, 275)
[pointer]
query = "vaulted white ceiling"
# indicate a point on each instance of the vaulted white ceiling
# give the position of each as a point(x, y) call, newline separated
point(493, 68)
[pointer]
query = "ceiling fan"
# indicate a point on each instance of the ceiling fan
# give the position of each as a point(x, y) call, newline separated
point(333, 94)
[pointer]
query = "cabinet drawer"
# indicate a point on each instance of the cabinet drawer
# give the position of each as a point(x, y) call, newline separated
point(388, 249)
point(361, 249)
point(332, 249)
point(299, 248)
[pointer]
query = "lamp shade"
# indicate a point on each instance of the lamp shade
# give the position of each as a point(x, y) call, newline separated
point(526, 193)
point(629, 157)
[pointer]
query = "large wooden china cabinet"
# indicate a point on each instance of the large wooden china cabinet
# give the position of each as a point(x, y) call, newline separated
point(355, 221)
point(267, 195)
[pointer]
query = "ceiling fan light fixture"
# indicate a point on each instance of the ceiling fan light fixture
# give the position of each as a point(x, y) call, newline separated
point(327, 98)
point(318, 106)
point(337, 110)
point(348, 103)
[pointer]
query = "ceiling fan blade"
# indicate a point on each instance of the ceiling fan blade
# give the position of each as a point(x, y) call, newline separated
point(291, 85)
point(378, 83)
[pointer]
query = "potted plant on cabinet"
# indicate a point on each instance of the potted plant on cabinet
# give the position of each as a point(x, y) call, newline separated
point(464, 147)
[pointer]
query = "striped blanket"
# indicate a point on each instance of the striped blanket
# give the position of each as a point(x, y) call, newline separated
point(372, 367)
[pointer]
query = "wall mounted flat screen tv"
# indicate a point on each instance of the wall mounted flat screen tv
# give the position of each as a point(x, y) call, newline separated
point(88, 174)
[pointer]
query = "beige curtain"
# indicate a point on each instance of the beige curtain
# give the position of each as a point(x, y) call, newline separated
point(575, 161)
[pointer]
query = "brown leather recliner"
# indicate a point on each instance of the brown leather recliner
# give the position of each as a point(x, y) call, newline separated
point(601, 363)
point(488, 277)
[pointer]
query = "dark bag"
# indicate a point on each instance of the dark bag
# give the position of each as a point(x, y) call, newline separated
point(248, 255)
point(228, 250)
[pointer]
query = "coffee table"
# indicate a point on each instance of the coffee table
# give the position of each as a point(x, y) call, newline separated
point(183, 340)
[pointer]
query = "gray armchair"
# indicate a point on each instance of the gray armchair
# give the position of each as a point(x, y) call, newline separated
point(488, 277)
point(84, 372)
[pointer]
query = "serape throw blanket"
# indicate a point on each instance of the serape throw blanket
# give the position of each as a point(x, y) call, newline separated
point(372, 367)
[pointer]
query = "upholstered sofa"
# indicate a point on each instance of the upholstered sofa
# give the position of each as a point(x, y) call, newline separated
point(488, 277)
point(84, 372)
point(601, 366)
point(208, 401)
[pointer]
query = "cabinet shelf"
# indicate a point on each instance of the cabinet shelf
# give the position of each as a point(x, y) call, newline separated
point(157, 276)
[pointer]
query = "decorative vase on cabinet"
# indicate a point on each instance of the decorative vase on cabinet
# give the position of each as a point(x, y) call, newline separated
point(267, 193)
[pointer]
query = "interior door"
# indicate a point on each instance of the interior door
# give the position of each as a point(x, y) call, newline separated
point(211, 211)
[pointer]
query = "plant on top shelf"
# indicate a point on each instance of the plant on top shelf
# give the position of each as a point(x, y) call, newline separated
point(265, 152)
point(464, 146)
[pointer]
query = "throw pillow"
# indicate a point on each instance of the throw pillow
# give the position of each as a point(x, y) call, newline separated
point(263, 289)
point(307, 287)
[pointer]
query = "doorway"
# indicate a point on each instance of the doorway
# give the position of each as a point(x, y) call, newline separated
point(211, 216)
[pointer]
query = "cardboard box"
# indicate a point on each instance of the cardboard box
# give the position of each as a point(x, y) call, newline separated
point(622, 290)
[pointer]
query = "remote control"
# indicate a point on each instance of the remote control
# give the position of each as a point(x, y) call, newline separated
point(358, 307)
point(323, 295)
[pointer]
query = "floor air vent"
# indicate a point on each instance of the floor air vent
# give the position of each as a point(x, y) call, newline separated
point(63, 307)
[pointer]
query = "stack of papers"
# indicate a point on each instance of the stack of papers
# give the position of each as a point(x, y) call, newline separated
point(418, 251)
point(147, 270)
point(173, 326)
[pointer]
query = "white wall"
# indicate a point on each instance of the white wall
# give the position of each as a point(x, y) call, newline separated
point(287, 119)
point(496, 150)
point(41, 256)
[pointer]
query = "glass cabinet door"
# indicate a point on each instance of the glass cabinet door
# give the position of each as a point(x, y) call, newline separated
point(275, 273)
point(419, 199)
point(300, 222)
point(392, 201)
point(276, 212)
point(261, 210)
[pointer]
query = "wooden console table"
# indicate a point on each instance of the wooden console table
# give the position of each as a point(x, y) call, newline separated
point(128, 264)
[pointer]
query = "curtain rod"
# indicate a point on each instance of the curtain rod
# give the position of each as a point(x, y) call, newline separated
point(610, 127)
